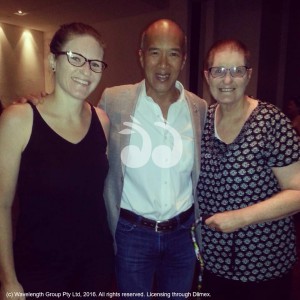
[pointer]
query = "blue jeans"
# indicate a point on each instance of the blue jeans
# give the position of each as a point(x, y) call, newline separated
point(149, 261)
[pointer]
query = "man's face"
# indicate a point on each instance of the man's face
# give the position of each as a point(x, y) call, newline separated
point(162, 59)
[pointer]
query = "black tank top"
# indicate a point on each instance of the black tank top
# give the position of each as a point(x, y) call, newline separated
point(60, 189)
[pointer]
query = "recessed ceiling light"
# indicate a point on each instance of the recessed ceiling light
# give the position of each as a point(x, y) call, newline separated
point(20, 13)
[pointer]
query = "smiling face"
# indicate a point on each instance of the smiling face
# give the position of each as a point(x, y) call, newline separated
point(228, 89)
point(162, 57)
point(78, 82)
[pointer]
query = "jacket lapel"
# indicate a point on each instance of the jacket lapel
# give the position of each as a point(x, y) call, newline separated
point(128, 106)
point(196, 122)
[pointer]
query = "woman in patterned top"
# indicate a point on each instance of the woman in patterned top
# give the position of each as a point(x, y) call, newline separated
point(249, 186)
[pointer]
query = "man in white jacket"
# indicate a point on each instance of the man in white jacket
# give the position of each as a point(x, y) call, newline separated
point(154, 157)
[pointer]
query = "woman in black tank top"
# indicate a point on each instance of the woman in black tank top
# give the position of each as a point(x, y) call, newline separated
point(54, 156)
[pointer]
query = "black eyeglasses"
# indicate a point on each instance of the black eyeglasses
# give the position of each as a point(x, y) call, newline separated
point(236, 72)
point(78, 60)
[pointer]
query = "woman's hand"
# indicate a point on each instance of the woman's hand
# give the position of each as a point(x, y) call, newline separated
point(227, 221)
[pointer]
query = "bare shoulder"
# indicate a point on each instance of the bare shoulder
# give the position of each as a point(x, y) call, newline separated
point(16, 121)
point(17, 114)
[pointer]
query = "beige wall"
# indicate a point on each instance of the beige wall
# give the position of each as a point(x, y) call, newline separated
point(21, 57)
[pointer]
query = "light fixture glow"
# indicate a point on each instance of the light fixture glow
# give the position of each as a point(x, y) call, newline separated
point(20, 13)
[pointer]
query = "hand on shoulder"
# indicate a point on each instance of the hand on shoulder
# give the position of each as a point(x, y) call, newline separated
point(33, 98)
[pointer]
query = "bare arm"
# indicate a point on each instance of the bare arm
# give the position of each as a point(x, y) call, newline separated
point(104, 121)
point(283, 204)
point(14, 132)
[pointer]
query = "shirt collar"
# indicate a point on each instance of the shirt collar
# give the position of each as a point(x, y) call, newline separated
point(178, 85)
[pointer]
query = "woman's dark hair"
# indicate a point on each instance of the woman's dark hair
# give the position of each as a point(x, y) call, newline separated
point(68, 31)
point(221, 45)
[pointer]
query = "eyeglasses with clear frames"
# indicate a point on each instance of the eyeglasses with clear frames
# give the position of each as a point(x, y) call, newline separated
point(235, 72)
point(78, 60)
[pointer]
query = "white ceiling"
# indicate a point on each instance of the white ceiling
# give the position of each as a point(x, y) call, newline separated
point(46, 15)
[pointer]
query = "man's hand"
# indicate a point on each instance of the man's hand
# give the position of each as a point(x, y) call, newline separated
point(34, 99)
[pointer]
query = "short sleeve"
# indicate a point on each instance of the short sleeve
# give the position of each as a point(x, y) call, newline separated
point(283, 145)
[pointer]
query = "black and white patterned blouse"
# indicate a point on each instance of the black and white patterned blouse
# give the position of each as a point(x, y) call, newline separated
point(237, 175)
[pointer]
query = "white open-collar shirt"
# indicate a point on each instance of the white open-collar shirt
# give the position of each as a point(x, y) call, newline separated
point(159, 159)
